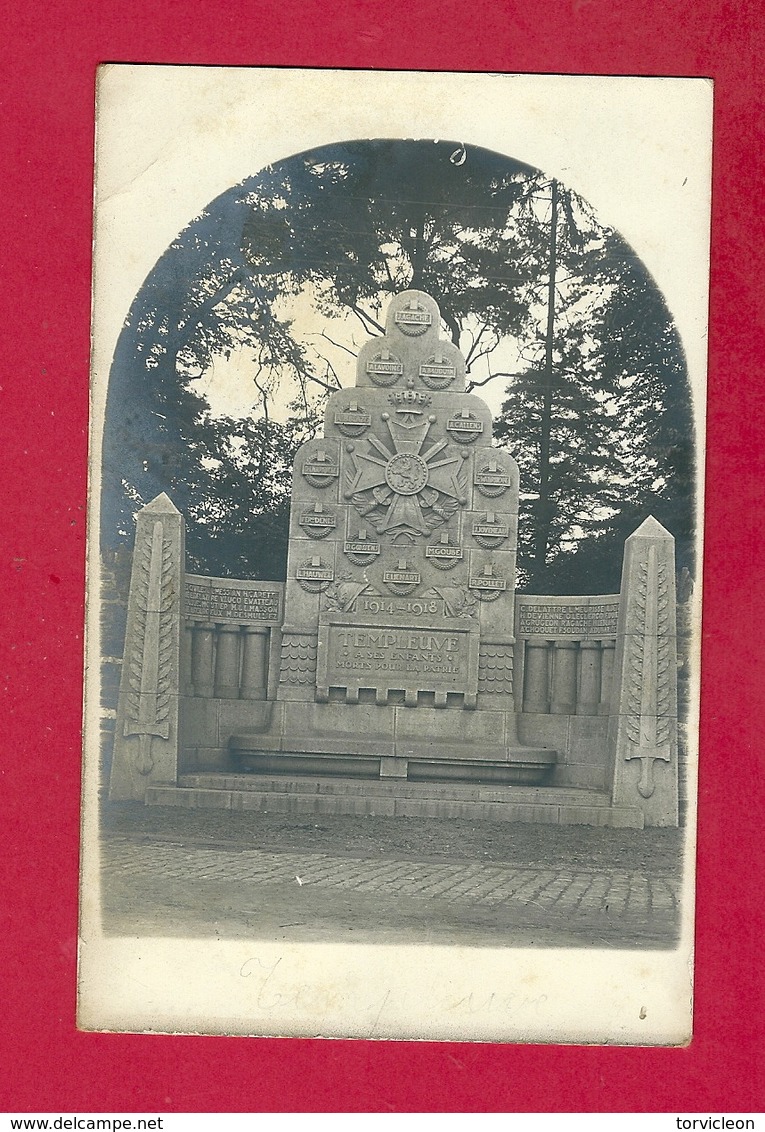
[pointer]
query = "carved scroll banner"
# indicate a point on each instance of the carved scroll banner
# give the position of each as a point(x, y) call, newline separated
point(146, 737)
point(643, 722)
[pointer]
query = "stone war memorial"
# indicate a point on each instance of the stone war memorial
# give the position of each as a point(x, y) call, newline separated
point(397, 671)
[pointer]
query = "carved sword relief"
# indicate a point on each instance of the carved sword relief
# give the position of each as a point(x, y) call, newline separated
point(150, 662)
point(648, 721)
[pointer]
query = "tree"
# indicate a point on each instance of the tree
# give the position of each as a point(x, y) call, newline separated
point(202, 299)
point(610, 375)
point(337, 231)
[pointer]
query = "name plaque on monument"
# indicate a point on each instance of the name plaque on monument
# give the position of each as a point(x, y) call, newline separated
point(318, 523)
point(413, 320)
point(443, 551)
point(495, 530)
point(232, 603)
point(446, 372)
point(385, 367)
point(353, 420)
point(464, 427)
point(487, 583)
point(314, 572)
point(355, 546)
point(584, 622)
point(402, 577)
point(320, 468)
point(437, 375)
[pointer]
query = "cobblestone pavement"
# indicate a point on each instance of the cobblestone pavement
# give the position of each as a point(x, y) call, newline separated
point(168, 888)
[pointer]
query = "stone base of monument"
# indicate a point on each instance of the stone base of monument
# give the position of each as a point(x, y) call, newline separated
point(326, 795)
point(371, 741)
point(522, 765)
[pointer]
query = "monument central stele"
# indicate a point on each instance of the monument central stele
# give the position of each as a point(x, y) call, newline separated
point(399, 602)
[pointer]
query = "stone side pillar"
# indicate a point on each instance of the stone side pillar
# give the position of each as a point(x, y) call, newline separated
point(643, 722)
point(146, 739)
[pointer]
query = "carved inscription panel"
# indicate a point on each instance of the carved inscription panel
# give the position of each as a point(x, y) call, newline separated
point(580, 621)
point(235, 603)
point(375, 655)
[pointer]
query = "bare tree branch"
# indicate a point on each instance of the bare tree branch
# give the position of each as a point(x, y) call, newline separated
point(386, 265)
point(339, 345)
point(453, 325)
point(479, 384)
point(366, 319)
point(318, 381)
point(474, 345)
point(489, 349)
point(266, 424)
point(331, 369)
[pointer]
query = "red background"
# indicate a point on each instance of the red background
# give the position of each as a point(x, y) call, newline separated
point(47, 93)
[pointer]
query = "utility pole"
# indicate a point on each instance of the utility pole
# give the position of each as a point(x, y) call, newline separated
point(543, 515)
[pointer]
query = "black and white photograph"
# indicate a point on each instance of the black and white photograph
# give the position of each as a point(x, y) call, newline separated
point(395, 548)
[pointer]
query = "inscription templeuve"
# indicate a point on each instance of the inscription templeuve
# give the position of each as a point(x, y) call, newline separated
point(376, 651)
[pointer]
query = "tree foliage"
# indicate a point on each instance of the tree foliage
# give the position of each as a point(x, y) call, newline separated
point(341, 229)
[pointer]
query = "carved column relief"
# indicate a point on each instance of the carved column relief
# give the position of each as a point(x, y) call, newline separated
point(254, 662)
point(227, 662)
point(606, 675)
point(202, 642)
point(588, 699)
point(563, 701)
point(536, 684)
point(568, 658)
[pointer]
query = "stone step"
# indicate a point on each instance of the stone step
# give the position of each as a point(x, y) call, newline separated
point(399, 788)
point(363, 747)
point(551, 812)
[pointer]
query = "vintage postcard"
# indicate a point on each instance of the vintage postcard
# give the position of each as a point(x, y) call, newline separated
point(398, 392)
